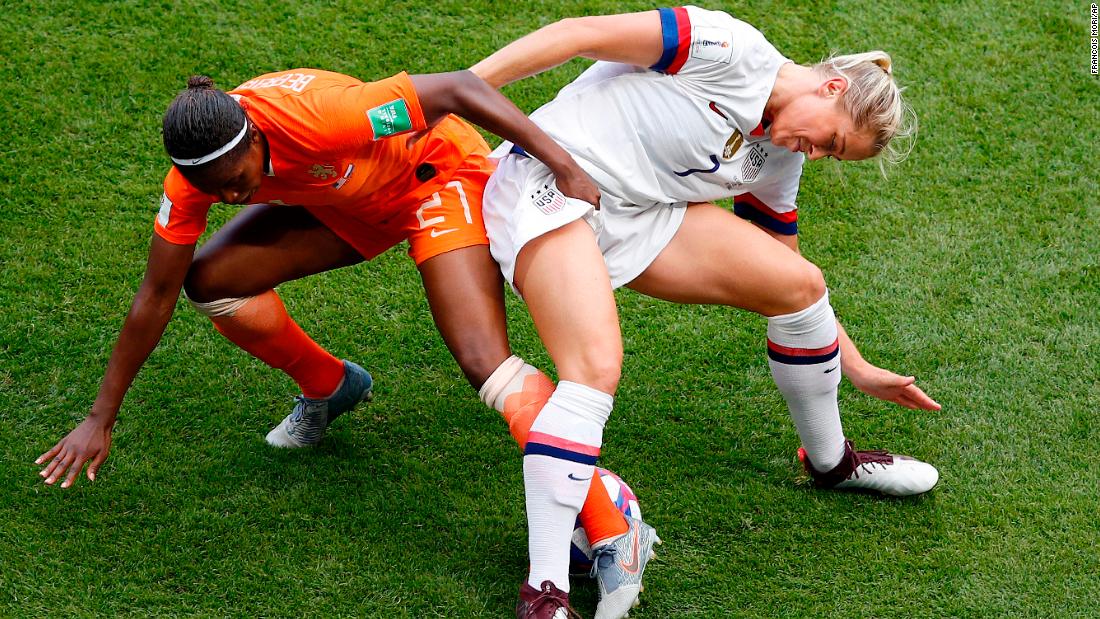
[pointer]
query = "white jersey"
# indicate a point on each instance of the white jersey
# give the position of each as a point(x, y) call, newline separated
point(689, 128)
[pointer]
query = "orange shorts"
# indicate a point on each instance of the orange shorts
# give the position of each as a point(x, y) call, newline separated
point(448, 219)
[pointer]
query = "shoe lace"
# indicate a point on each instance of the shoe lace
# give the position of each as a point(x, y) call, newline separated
point(604, 556)
point(306, 406)
point(549, 594)
point(866, 460)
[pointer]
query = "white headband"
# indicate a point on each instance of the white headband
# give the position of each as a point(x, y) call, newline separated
point(218, 153)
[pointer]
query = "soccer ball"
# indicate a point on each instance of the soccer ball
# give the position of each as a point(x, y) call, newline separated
point(580, 552)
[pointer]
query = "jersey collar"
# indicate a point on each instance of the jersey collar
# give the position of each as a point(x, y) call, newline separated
point(269, 167)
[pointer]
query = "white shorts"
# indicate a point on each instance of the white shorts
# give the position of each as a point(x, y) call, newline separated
point(522, 203)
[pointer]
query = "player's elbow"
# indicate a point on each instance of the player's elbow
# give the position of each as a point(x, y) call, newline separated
point(154, 302)
point(467, 92)
point(575, 35)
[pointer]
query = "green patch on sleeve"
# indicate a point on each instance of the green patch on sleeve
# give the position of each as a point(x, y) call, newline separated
point(389, 118)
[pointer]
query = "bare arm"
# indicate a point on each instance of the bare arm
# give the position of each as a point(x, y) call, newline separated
point(152, 307)
point(632, 38)
point(466, 95)
point(868, 378)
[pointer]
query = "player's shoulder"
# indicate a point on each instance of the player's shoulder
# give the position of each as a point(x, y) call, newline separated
point(719, 28)
point(720, 19)
point(293, 82)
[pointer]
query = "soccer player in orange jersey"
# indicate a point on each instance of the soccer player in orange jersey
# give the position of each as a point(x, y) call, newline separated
point(334, 171)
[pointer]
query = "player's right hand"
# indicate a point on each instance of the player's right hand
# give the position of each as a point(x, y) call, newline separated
point(91, 440)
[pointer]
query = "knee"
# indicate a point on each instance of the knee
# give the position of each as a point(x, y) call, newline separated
point(198, 283)
point(598, 366)
point(478, 361)
point(806, 288)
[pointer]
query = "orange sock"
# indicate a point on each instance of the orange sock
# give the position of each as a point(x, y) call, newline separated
point(519, 393)
point(521, 407)
point(264, 329)
point(599, 516)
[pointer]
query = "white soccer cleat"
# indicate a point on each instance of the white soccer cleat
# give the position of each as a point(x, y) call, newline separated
point(618, 567)
point(876, 471)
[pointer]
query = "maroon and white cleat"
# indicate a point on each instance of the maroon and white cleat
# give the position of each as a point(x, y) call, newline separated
point(877, 471)
point(546, 602)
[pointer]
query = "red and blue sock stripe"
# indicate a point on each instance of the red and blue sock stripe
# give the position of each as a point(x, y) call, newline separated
point(676, 33)
point(540, 444)
point(802, 356)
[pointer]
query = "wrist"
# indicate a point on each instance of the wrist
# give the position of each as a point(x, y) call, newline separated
point(563, 166)
point(103, 415)
point(855, 368)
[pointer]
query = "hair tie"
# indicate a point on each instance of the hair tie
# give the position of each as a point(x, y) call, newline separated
point(217, 153)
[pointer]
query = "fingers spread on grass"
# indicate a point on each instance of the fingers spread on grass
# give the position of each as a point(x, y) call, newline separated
point(53, 464)
point(93, 468)
point(74, 471)
point(49, 454)
point(58, 468)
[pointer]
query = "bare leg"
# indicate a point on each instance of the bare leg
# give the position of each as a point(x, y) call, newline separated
point(262, 247)
point(568, 292)
point(716, 257)
point(719, 258)
point(232, 280)
point(465, 292)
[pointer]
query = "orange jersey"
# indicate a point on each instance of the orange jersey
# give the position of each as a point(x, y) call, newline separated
point(330, 143)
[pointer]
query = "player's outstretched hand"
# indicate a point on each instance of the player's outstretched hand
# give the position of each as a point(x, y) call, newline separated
point(886, 385)
point(91, 440)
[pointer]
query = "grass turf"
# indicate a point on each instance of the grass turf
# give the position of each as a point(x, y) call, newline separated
point(974, 267)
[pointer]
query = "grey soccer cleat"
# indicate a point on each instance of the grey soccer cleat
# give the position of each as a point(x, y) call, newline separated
point(618, 567)
point(307, 423)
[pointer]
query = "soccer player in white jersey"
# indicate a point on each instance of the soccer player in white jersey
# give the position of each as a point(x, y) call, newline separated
point(687, 106)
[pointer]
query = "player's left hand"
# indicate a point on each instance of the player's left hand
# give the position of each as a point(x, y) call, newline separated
point(886, 385)
point(89, 442)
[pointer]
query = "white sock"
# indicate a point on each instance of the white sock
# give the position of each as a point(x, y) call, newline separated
point(558, 464)
point(804, 355)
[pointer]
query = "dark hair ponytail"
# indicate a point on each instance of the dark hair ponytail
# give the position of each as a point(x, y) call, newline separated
point(200, 82)
point(201, 120)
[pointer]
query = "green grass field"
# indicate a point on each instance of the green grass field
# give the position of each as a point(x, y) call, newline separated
point(974, 266)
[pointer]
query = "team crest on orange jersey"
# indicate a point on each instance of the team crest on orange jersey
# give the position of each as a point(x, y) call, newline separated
point(732, 144)
point(322, 171)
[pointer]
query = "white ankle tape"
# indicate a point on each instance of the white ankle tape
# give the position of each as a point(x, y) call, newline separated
point(499, 380)
point(221, 307)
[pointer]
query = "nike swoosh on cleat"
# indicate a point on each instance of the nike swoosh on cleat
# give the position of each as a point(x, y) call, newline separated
point(634, 564)
point(579, 478)
point(831, 369)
